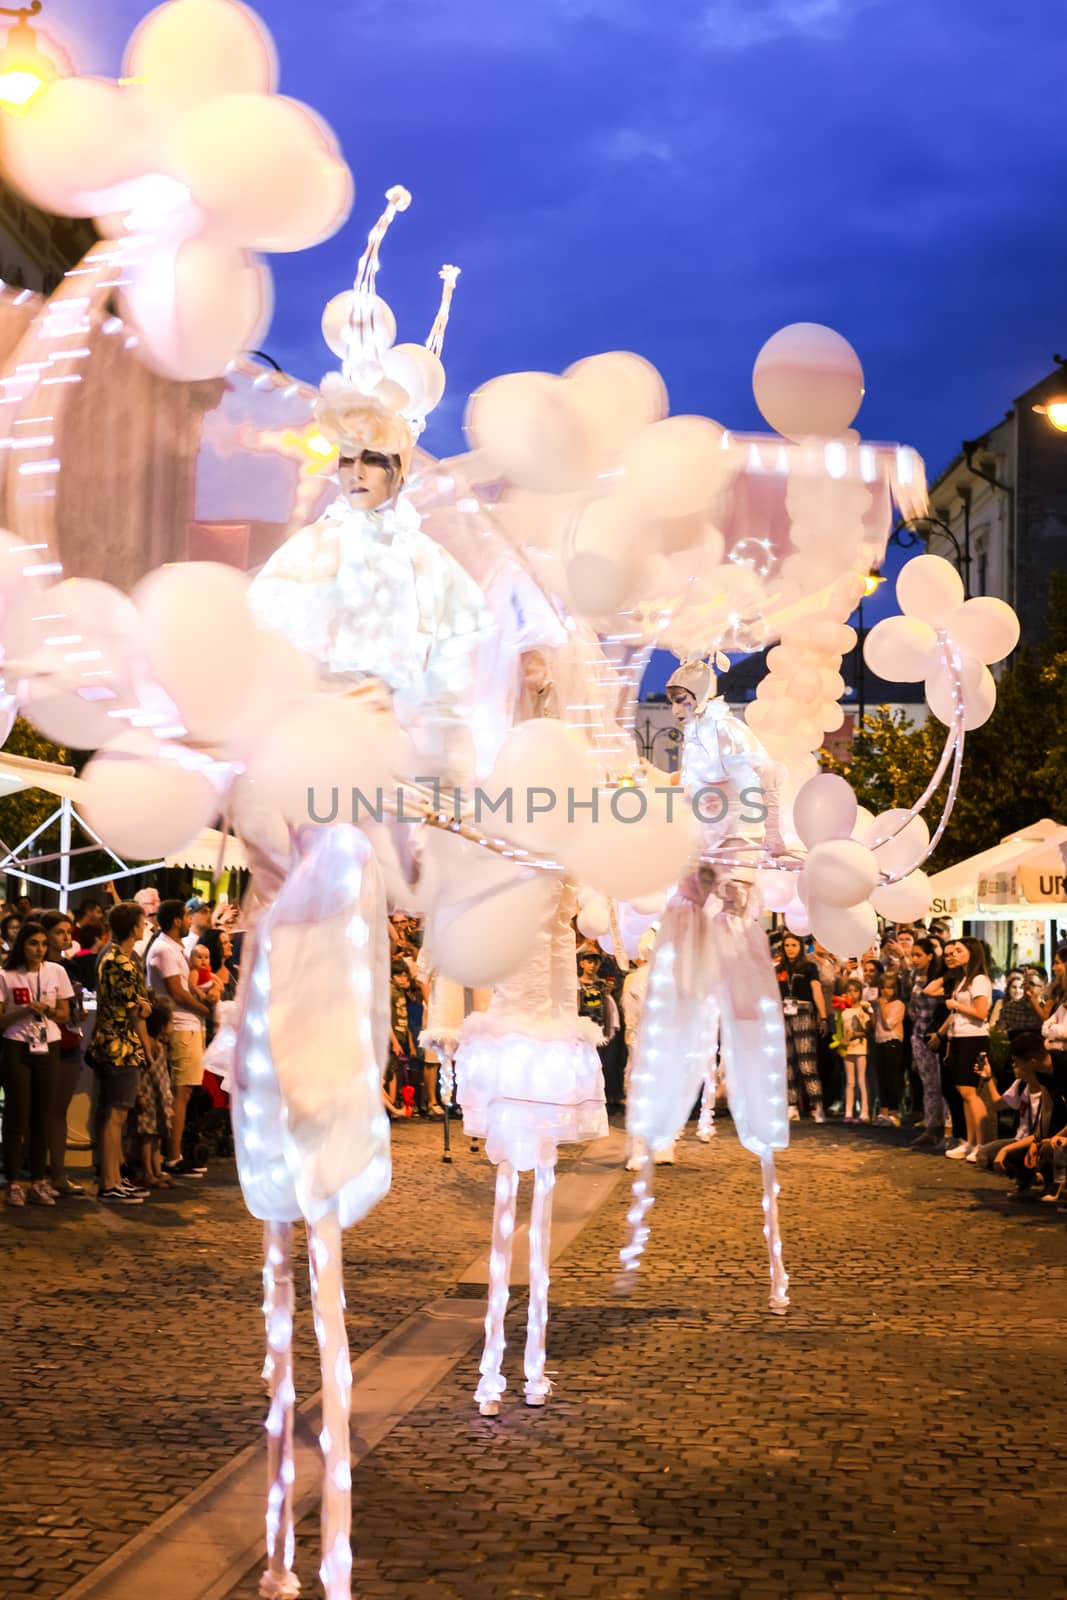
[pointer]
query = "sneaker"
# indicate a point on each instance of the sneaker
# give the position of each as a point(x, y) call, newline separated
point(117, 1196)
point(819, 1115)
point(436, 1111)
point(959, 1152)
point(972, 1156)
point(48, 1188)
point(133, 1188)
point(68, 1187)
point(794, 1114)
point(39, 1194)
point(183, 1169)
point(16, 1195)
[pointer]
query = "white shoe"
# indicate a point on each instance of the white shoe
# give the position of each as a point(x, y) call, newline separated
point(818, 1116)
point(972, 1157)
point(794, 1114)
point(959, 1152)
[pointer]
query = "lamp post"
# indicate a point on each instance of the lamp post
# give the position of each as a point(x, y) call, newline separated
point(870, 586)
point(910, 532)
point(24, 67)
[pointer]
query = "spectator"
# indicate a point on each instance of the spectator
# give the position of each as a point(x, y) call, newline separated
point(1015, 1013)
point(967, 1029)
point(597, 1002)
point(119, 1047)
point(855, 1025)
point(35, 994)
point(1054, 1027)
point(148, 900)
point(873, 972)
point(802, 1007)
point(90, 929)
point(399, 1074)
point(1028, 1097)
point(889, 1049)
point(168, 979)
point(831, 1064)
point(60, 930)
point(925, 1015)
point(9, 931)
point(205, 985)
point(199, 922)
point(154, 1109)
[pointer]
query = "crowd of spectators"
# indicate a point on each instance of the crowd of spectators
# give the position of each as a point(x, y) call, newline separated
point(923, 1032)
point(920, 1033)
point(129, 991)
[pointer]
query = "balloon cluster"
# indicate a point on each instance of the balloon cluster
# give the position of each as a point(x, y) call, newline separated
point(798, 701)
point(911, 648)
point(189, 165)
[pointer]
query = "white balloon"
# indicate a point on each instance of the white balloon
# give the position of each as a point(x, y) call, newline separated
point(777, 889)
point(627, 859)
point(96, 608)
point(839, 872)
point(70, 719)
point(618, 394)
point(337, 320)
point(194, 600)
point(808, 381)
point(864, 818)
point(197, 307)
point(825, 808)
point(528, 428)
point(419, 373)
point(673, 468)
point(320, 750)
point(145, 806)
point(484, 912)
point(70, 144)
point(978, 688)
point(901, 649)
point(797, 919)
point(929, 588)
point(539, 761)
point(604, 556)
point(844, 930)
point(906, 900)
point(898, 846)
point(650, 905)
point(193, 50)
point(594, 919)
point(985, 628)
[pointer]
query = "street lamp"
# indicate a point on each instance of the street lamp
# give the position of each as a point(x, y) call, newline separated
point(1056, 414)
point(24, 68)
point(871, 582)
point(916, 530)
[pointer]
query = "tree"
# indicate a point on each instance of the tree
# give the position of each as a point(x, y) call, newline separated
point(1015, 767)
point(21, 813)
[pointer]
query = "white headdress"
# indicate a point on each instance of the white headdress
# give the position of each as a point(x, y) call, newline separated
point(384, 392)
point(697, 677)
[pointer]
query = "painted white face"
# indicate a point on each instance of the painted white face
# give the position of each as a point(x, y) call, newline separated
point(368, 481)
point(683, 704)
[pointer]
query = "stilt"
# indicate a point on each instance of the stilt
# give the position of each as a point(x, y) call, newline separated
point(493, 1384)
point(279, 1581)
point(642, 1199)
point(447, 1086)
point(779, 1302)
point(538, 1387)
point(706, 1120)
point(328, 1300)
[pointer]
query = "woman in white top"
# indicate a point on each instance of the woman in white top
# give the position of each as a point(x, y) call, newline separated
point(968, 1005)
point(35, 995)
point(1054, 1024)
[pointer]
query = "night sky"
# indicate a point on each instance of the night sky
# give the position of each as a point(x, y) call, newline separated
point(681, 178)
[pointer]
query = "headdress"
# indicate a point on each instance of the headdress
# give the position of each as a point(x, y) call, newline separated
point(698, 677)
point(384, 392)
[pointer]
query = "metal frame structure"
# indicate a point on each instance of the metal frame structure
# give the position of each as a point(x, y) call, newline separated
point(65, 814)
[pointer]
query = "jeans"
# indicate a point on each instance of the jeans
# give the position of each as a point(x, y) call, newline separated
point(29, 1090)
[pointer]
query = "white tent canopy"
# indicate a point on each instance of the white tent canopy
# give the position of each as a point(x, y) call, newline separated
point(211, 851)
point(1024, 873)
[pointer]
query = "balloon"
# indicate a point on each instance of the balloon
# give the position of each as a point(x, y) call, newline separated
point(337, 318)
point(146, 806)
point(839, 872)
point(901, 649)
point(904, 901)
point(527, 426)
point(650, 905)
point(985, 628)
point(797, 919)
point(603, 557)
point(193, 50)
point(844, 930)
point(808, 381)
point(896, 851)
point(538, 761)
point(626, 859)
point(594, 920)
point(9, 710)
point(864, 818)
point(197, 307)
point(484, 912)
point(978, 688)
point(96, 608)
point(200, 600)
point(825, 808)
point(673, 468)
point(291, 201)
point(71, 143)
point(419, 373)
point(320, 750)
point(776, 889)
point(617, 394)
point(930, 589)
point(70, 719)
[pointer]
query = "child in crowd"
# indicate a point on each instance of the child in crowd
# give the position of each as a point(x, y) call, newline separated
point(855, 1021)
point(889, 1049)
point(154, 1107)
point(1035, 1108)
point(203, 978)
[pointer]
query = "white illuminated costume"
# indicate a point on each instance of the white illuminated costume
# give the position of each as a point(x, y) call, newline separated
point(710, 980)
point(721, 752)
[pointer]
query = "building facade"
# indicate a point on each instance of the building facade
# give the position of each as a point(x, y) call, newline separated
point(36, 248)
point(1004, 498)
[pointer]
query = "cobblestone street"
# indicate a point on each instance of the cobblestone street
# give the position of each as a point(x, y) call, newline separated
point(898, 1434)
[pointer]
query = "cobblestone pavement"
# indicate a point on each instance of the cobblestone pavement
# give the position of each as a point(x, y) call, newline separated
point(132, 1344)
point(894, 1436)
